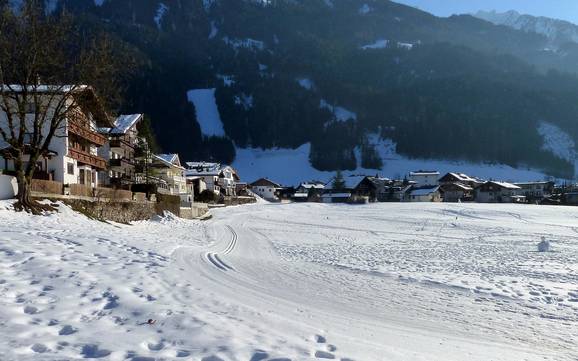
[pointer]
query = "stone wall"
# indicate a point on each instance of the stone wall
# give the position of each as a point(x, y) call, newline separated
point(115, 211)
point(197, 210)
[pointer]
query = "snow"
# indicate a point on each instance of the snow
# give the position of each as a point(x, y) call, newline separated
point(246, 101)
point(424, 191)
point(214, 30)
point(379, 44)
point(248, 43)
point(341, 114)
point(228, 80)
point(558, 142)
point(124, 122)
point(207, 111)
point(291, 166)
point(306, 83)
point(364, 9)
point(406, 46)
point(161, 11)
point(396, 282)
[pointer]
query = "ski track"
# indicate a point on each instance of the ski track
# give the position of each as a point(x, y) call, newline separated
point(293, 282)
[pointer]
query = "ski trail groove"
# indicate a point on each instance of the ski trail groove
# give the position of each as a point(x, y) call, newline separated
point(216, 258)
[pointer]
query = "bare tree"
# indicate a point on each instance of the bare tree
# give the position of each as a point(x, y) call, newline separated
point(50, 70)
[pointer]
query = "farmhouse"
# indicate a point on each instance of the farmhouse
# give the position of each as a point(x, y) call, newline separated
point(457, 192)
point(496, 192)
point(266, 189)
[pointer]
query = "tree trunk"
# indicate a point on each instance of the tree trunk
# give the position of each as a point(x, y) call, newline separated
point(24, 200)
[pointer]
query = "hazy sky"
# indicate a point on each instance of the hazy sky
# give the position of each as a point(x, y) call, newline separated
point(560, 9)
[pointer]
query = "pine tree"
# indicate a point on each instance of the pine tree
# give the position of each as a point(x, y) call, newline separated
point(338, 181)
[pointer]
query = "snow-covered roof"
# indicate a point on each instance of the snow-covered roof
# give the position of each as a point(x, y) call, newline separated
point(312, 185)
point(172, 160)
point(202, 168)
point(462, 177)
point(505, 185)
point(424, 191)
point(462, 186)
point(124, 122)
point(300, 195)
point(264, 182)
point(424, 173)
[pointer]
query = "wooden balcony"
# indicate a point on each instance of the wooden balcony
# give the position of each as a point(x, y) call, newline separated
point(120, 163)
point(120, 143)
point(86, 158)
point(83, 131)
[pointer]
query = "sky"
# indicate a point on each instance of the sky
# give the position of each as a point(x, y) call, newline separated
point(559, 9)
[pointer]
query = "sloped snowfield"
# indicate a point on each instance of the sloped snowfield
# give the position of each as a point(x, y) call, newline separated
point(293, 282)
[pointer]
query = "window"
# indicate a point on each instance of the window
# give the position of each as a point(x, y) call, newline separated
point(70, 168)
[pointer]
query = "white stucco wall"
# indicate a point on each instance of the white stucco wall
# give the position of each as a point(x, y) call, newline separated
point(8, 187)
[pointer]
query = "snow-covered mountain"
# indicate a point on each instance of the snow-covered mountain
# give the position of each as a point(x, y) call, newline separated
point(557, 31)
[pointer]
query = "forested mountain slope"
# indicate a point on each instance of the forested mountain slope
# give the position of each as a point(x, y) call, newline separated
point(336, 73)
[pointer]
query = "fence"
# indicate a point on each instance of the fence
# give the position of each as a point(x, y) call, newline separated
point(45, 186)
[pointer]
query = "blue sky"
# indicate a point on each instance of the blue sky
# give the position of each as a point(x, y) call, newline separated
point(560, 9)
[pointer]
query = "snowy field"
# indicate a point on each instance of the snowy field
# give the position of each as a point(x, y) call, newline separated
point(391, 282)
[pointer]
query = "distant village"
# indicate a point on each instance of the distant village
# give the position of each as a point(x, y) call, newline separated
point(95, 157)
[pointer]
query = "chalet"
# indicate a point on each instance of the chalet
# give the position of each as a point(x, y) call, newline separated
point(425, 194)
point(309, 192)
point(120, 150)
point(535, 191)
point(457, 192)
point(72, 155)
point(168, 170)
point(219, 179)
point(496, 192)
point(424, 178)
point(375, 189)
point(451, 178)
point(266, 189)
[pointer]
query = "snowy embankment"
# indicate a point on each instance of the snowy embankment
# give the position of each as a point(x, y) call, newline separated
point(298, 282)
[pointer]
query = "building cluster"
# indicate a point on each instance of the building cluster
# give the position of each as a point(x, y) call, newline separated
point(95, 150)
point(418, 186)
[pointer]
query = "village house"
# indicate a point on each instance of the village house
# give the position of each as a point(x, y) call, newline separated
point(169, 176)
point(219, 179)
point(535, 191)
point(451, 178)
point(374, 189)
point(72, 156)
point(309, 192)
point(457, 192)
point(335, 196)
point(425, 194)
point(422, 178)
point(120, 150)
point(497, 192)
point(266, 189)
